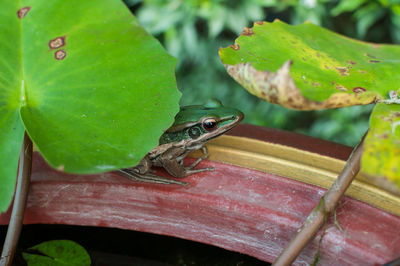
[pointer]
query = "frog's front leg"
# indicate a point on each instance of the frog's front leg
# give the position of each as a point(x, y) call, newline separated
point(205, 156)
point(174, 164)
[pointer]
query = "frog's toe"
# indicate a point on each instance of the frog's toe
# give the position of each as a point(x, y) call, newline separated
point(193, 171)
point(150, 178)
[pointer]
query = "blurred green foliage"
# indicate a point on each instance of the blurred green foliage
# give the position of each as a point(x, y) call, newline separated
point(194, 30)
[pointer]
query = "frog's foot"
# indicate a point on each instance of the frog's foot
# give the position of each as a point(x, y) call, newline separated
point(189, 169)
point(149, 178)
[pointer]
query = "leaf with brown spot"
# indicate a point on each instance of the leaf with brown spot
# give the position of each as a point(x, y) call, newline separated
point(381, 157)
point(261, 65)
point(314, 74)
point(280, 88)
point(93, 94)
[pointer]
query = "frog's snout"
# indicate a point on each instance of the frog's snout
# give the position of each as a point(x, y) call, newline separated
point(239, 117)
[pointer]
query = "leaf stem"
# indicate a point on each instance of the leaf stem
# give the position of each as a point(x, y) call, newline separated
point(326, 205)
point(20, 198)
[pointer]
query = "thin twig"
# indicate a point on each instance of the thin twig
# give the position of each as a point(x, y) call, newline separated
point(21, 195)
point(326, 205)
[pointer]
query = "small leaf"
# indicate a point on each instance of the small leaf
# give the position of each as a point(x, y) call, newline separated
point(381, 157)
point(235, 21)
point(57, 253)
point(307, 67)
point(367, 16)
point(190, 37)
point(346, 6)
point(147, 13)
point(252, 11)
point(216, 21)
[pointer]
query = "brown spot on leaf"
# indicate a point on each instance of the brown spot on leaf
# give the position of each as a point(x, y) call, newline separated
point(235, 46)
point(393, 94)
point(315, 84)
point(273, 98)
point(23, 11)
point(57, 42)
point(60, 54)
point(374, 61)
point(351, 62)
point(318, 55)
point(327, 67)
point(333, 83)
point(341, 88)
point(343, 71)
point(259, 22)
point(383, 136)
point(384, 118)
point(370, 55)
point(247, 31)
point(362, 71)
point(358, 89)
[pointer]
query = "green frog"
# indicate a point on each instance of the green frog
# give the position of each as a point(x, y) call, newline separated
point(194, 125)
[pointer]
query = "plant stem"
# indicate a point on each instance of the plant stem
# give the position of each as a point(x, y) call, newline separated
point(20, 198)
point(326, 205)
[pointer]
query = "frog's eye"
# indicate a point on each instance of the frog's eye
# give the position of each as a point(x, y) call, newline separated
point(210, 124)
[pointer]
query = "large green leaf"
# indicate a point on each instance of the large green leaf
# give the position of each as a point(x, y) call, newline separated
point(93, 89)
point(307, 67)
point(381, 157)
point(57, 253)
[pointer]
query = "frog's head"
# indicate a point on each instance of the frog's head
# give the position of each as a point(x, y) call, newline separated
point(201, 123)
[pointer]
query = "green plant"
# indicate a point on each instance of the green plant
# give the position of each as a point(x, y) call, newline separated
point(78, 78)
point(301, 69)
point(306, 67)
point(57, 252)
point(372, 18)
point(80, 87)
point(192, 30)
